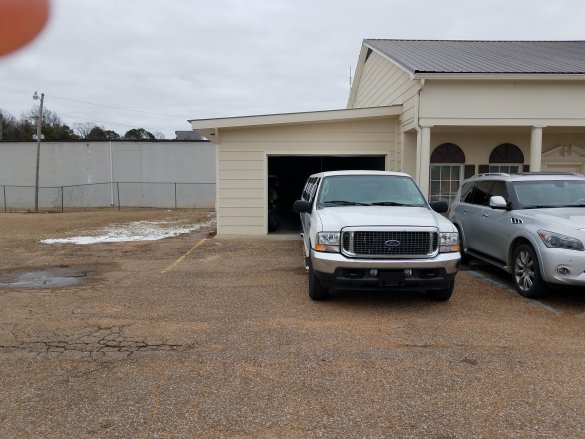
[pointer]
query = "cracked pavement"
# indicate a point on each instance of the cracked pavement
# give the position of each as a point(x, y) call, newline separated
point(96, 342)
point(200, 337)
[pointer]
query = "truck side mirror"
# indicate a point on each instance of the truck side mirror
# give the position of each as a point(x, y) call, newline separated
point(301, 206)
point(439, 206)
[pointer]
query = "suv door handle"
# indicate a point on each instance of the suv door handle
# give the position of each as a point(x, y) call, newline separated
point(464, 211)
point(484, 215)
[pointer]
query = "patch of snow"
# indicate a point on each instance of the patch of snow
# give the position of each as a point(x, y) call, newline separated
point(136, 231)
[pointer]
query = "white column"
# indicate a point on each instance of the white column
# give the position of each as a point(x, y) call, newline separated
point(535, 149)
point(424, 159)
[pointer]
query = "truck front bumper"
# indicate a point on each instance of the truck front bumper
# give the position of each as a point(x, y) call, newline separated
point(336, 271)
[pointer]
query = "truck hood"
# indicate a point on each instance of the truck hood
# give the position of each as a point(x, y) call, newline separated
point(572, 217)
point(335, 218)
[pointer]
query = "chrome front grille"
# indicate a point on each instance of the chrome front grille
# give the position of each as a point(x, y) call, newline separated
point(364, 243)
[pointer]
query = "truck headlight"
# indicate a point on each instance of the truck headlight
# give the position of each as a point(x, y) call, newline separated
point(327, 242)
point(556, 240)
point(448, 242)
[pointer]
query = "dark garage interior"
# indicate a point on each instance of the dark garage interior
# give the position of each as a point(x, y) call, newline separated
point(287, 176)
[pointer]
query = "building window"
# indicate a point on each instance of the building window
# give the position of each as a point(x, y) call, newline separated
point(506, 157)
point(445, 181)
point(446, 167)
point(447, 153)
point(508, 169)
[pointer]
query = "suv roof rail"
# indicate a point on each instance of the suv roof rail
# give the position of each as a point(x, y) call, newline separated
point(497, 174)
point(550, 173)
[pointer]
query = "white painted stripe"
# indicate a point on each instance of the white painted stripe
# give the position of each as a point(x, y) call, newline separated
point(182, 258)
point(514, 292)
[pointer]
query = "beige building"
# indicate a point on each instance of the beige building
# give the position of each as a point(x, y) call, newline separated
point(438, 110)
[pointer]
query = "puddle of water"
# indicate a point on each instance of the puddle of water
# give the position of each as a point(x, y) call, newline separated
point(48, 278)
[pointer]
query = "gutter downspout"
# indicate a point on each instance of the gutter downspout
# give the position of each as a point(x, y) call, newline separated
point(418, 129)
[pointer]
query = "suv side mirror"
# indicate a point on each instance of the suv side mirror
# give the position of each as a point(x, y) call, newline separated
point(439, 206)
point(498, 202)
point(301, 206)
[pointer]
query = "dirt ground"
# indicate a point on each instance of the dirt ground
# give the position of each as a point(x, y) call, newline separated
point(195, 336)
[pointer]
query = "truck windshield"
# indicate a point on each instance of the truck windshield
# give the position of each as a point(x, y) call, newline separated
point(369, 190)
point(550, 193)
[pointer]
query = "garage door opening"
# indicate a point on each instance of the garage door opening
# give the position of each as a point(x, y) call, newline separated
point(287, 176)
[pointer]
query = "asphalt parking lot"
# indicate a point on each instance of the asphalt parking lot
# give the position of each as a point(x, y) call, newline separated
point(194, 336)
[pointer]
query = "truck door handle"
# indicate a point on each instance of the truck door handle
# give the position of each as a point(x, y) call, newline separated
point(464, 211)
point(484, 215)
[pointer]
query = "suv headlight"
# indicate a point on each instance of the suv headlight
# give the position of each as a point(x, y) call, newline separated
point(556, 240)
point(448, 242)
point(327, 242)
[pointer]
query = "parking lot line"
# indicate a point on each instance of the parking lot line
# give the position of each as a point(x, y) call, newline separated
point(178, 261)
point(510, 290)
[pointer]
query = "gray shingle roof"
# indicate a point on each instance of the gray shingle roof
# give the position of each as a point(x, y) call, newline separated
point(522, 57)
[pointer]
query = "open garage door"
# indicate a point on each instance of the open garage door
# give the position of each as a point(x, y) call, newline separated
point(287, 176)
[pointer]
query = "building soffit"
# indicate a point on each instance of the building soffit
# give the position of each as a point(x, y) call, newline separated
point(211, 128)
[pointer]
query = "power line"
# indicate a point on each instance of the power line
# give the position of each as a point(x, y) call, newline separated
point(113, 123)
point(116, 108)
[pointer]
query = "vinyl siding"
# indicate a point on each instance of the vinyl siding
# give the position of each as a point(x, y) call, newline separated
point(382, 83)
point(242, 161)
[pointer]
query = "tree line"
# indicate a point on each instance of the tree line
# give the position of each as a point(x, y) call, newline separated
point(53, 128)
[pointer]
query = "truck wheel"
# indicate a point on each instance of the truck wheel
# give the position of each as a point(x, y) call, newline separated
point(442, 294)
point(316, 290)
point(526, 274)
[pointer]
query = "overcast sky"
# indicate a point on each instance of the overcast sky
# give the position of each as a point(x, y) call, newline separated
point(196, 59)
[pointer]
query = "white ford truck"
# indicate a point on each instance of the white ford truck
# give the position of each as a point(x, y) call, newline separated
point(375, 230)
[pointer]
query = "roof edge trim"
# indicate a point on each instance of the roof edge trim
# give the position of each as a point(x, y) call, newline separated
point(292, 118)
point(502, 76)
point(411, 71)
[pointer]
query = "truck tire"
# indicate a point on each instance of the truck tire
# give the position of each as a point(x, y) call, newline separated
point(316, 290)
point(442, 294)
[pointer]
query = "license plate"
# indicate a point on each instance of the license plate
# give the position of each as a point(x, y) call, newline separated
point(391, 278)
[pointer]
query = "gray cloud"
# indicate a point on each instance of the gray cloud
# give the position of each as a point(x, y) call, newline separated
point(200, 59)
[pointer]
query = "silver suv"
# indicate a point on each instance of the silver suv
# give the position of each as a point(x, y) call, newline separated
point(530, 224)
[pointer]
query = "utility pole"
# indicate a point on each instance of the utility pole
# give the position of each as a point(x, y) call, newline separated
point(39, 124)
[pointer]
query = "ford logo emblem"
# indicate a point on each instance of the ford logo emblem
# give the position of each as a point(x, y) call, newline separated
point(392, 243)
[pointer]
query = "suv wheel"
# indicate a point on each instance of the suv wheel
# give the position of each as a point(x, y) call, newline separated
point(526, 274)
point(316, 290)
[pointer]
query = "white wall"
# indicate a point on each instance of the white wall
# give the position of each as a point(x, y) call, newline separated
point(88, 163)
point(243, 153)
point(503, 103)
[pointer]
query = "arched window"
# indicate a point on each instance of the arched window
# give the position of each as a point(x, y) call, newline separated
point(506, 157)
point(447, 162)
point(447, 153)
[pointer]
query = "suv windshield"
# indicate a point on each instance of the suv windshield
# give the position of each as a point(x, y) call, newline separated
point(369, 190)
point(550, 193)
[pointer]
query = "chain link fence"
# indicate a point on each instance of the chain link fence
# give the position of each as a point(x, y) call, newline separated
point(117, 194)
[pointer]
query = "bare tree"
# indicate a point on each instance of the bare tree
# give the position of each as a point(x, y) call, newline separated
point(159, 135)
point(83, 128)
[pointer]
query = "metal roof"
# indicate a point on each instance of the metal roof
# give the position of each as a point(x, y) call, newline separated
point(463, 56)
